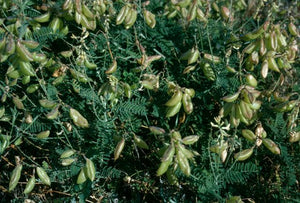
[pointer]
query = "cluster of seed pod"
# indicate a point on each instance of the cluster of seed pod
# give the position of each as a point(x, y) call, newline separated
point(127, 15)
point(269, 45)
point(180, 96)
point(176, 154)
point(16, 175)
point(242, 106)
point(188, 9)
point(113, 89)
point(150, 82)
point(87, 172)
point(192, 57)
point(20, 57)
point(259, 137)
point(83, 15)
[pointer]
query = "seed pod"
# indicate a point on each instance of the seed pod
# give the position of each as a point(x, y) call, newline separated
point(243, 155)
point(192, 13)
point(43, 135)
point(112, 68)
point(89, 64)
point(294, 137)
point(47, 103)
point(68, 126)
point(272, 64)
point(255, 34)
point(175, 99)
point(90, 169)
point(173, 110)
point(10, 46)
point(53, 114)
point(127, 90)
point(67, 162)
point(79, 76)
point(234, 120)
point(292, 29)
point(246, 110)
point(208, 72)
point(149, 18)
point(193, 56)
point(183, 163)
point(18, 103)
point(130, 18)
point(32, 88)
point(169, 153)
point(43, 18)
point(25, 80)
point(119, 148)
point(172, 179)
point(190, 91)
point(122, 14)
point(264, 69)
point(187, 103)
point(163, 168)
point(156, 130)
point(82, 176)
point(188, 69)
point(30, 185)
point(140, 143)
point(15, 177)
point(254, 58)
point(67, 153)
point(30, 44)
point(249, 135)
point(43, 176)
point(87, 12)
point(250, 80)
point(26, 68)
point(23, 52)
point(2, 111)
point(78, 119)
point(231, 98)
point(67, 5)
point(190, 139)
point(250, 48)
point(239, 114)
point(225, 12)
point(200, 15)
point(271, 146)
point(262, 48)
point(56, 24)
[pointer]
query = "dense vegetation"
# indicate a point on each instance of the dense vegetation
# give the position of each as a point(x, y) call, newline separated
point(149, 101)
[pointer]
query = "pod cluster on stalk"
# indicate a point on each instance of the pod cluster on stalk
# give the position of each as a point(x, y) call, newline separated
point(271, 47)
point(113, 89)
point(242, 106)
point(127, 15)
point(82, 13)
point(187, 9)
point(16, 175)
point(175, 154)
point(180, 97)
point(196, 58)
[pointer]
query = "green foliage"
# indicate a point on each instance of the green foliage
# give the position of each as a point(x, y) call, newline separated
point(119, 94)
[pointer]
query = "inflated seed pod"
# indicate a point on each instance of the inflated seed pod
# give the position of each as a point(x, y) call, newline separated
point(67, 153)
point(249, 135)
point(30, 185)
point(15, 177)
point(43, 176)
point(82, 177)
point(243, 155)
point(156, 130)
point(119, 148)
point(78, 119)
point(169, 153)
point(140, 142)
point(18, 103)
point(163, 167)
point(90, 169)
point(47, 103)
point(43, 135)
point(271, 145)
point(190, 139)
